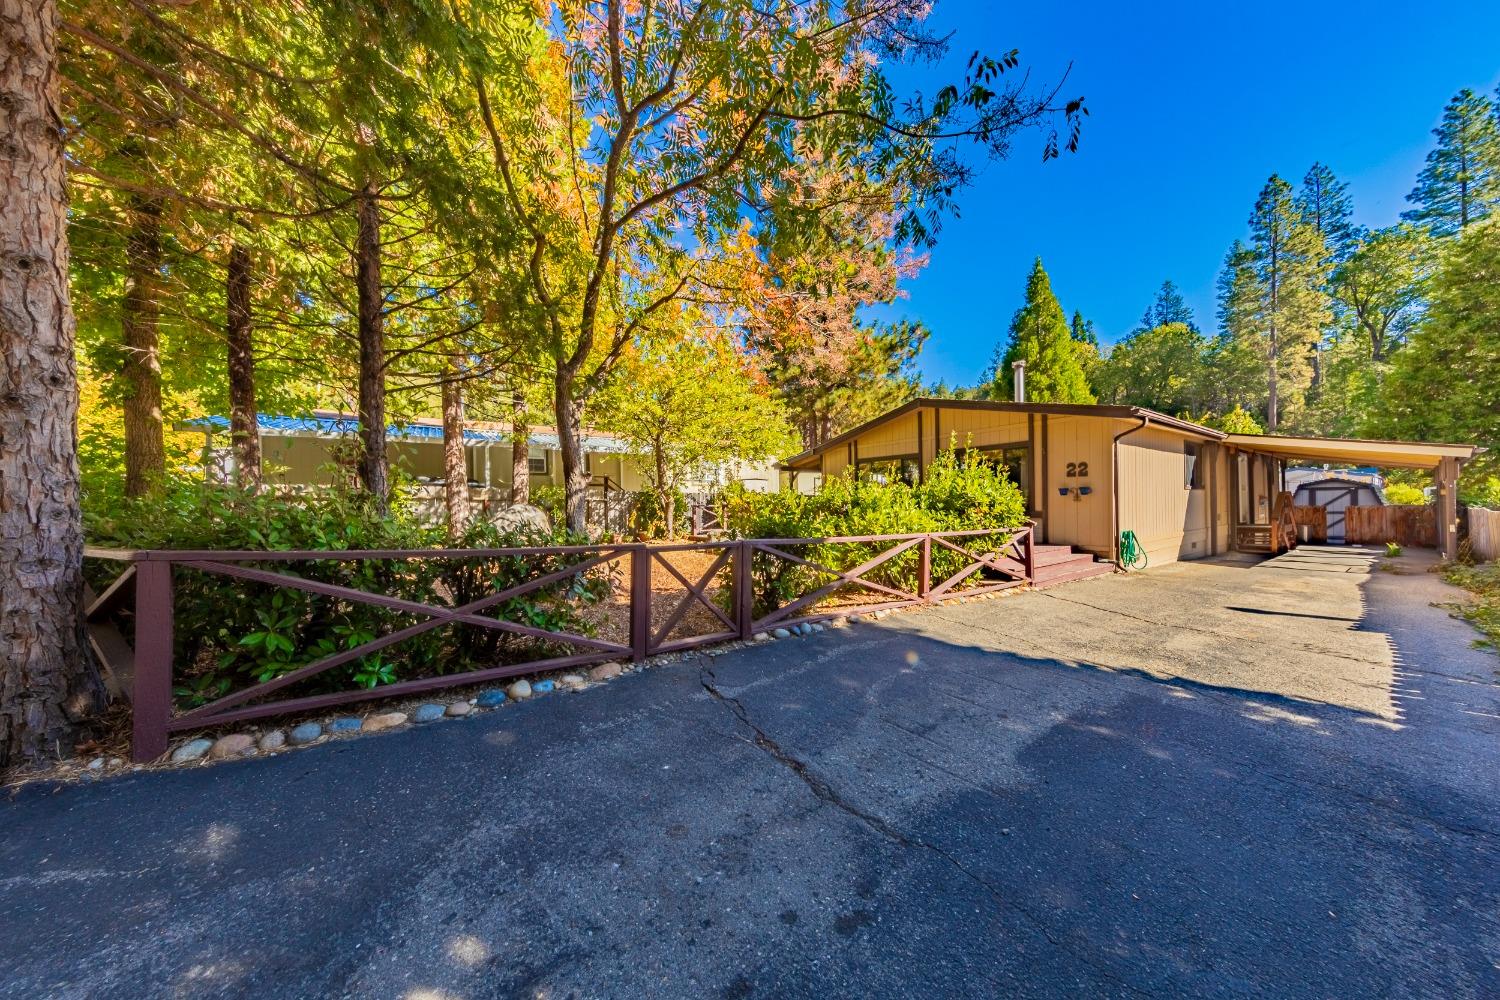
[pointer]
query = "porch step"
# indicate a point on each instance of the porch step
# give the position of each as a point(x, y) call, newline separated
point(1048, 555)
point(1078, 566)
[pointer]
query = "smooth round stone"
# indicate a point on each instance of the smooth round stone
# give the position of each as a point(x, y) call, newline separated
point(347, 724)
point(762, 637)
point(573, 680)
point(232, 745)
point(429, 712)
point(306, 733)
point(493, 698)
point(781, 633)
point(385, 720)
point(543, 687)
point(97, 764)
point(818, 626)
point(274, 740)
point(520, 690)
point(605, 672)
point(191, 750)
point(459, 709)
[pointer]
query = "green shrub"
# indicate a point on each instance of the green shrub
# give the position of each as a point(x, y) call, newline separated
point(956, 494)
point(231, 633)
point(1483, 581)
point(648, 520)
point(1404, 494)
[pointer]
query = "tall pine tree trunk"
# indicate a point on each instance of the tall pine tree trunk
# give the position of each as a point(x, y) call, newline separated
point(145, 442)
point(244, 430)
point(455, 469)
point(520, 449)
point(45, 678)
point(374, 472)
point(570, 440)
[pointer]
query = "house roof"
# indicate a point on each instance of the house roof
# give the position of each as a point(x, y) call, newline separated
point(1356, 451)
point(328, 423)
point(1066, 409)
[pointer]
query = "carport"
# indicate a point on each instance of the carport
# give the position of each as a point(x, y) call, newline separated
point(1444, 461)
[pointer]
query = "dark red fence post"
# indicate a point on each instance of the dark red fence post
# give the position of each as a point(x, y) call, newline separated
point(1030, 552)
point(744, 588)
point(640, 602)
point(924, 568)
point(152, 703)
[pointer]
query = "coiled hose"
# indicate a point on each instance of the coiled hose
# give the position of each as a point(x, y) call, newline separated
point(1132, 553)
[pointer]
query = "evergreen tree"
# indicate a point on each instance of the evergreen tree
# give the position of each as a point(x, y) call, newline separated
point(1444, 385)
point(1083, 330)
point(1461, 182)
point(1169, 307)
point(1040, 336)
point(1325, 204)
point(1291, 267)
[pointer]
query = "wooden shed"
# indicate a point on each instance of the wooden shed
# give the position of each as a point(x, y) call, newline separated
point(1092, 472)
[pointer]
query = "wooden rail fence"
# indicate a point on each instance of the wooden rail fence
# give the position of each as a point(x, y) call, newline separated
point(1403, 524)
point(976, 562)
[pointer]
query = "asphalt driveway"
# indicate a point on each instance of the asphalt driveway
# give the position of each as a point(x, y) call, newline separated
point(1215, 779)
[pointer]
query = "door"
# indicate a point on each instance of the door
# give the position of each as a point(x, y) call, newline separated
point(1334, 501)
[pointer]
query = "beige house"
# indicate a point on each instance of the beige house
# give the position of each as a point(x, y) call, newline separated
point(1092, 472)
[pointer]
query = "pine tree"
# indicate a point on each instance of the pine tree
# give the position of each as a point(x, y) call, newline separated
point(1083, 330)
point(1169, 307)
point(1461, 182)
point(1291, 264)
point(1324, 202)
point(1040, 336)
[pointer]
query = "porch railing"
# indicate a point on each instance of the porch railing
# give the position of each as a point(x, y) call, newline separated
point(740, 591)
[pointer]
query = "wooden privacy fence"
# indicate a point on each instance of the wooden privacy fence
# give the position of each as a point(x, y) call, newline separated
point(1399, 523)
point(1484, 533)
point(1315, 519)
point(737, 587)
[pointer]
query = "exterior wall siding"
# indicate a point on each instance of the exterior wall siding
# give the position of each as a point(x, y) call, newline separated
point(1170, 519)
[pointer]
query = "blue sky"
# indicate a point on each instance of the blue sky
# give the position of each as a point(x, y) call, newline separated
point(1193, 106)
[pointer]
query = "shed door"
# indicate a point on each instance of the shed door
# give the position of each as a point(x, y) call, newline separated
point(1334, 499)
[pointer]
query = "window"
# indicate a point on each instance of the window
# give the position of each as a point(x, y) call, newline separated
point(536, 459)
point(901, 468)
point(1192, 469)
point(1015, 459)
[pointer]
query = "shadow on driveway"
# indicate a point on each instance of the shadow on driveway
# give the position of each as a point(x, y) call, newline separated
point(1124, 787)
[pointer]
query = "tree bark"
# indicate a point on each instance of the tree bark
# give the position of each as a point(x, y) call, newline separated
point(374, 472)
point(46, 679)
point(145, 439)
point(665, 499)
point(570, 440)
point(455, 469)
point(520, 449)
point(244, 429)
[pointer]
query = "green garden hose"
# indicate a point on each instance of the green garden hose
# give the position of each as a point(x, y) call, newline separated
point(1132, 553)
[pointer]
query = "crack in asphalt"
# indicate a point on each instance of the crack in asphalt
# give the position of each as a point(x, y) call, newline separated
point(825, 792)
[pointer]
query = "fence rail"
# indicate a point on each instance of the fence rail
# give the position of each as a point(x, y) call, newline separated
point(747, 585)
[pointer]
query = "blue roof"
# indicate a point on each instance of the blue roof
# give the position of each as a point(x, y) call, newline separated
point(275, 425)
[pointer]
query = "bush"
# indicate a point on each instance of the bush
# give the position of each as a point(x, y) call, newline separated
point(1483, 582)
point(956, 494)
point(231, 633)
point(1404, 494)
point(648, 520)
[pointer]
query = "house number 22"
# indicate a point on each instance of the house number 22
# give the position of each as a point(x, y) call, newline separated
point(1078, 469)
